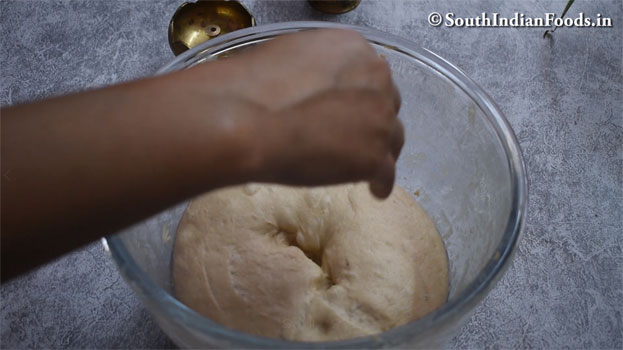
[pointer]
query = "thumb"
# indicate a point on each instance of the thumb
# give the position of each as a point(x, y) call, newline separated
point(383, 182)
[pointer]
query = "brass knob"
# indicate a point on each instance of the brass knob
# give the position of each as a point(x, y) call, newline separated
point(334, 6)
point(196, 22)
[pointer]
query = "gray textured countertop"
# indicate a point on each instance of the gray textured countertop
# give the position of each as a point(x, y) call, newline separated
point(563, 97)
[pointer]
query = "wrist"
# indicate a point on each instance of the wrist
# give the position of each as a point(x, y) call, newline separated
point(225, 132)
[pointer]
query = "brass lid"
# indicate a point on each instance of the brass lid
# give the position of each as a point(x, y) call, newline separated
point(196, 22)
point(334, 6)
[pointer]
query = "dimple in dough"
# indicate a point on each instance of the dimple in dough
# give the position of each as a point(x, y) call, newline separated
point(309, 264)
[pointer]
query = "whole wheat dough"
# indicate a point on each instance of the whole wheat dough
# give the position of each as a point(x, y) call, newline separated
point(309, 264)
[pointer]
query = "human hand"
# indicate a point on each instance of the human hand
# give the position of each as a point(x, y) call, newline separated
point(289, 69)
point(328, 109)
point(333, 137)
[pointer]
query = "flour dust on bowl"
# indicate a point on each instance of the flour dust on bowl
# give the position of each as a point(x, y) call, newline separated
point(460, 161)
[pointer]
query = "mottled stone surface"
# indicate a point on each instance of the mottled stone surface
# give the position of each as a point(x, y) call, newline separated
point(563, 98)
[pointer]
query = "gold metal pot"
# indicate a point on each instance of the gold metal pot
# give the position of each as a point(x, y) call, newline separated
point(196, 22)
point(334, 6)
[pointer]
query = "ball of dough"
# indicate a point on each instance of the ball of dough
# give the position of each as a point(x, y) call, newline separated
point(309, 264)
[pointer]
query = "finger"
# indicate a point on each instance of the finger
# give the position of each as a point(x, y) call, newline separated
point(396, 97)
point(394, 88)
point(397, 139)
point(382, 184)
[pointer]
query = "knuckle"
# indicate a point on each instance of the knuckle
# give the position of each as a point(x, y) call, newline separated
point(372, 105)
point(352, 39)
point(401, 141)
point(382, 75)
point(353, 36)
point(384, 110)
point(374, 159)
point(383, 68)
point(380, 148)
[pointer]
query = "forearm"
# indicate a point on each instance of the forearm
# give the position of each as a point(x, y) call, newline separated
point(79, 167)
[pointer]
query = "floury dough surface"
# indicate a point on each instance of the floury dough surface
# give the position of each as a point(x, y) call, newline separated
point(309, 264)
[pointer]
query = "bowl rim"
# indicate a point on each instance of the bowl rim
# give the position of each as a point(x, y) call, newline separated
point(166, 304)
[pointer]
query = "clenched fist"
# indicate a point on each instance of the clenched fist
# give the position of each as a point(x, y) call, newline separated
point(323, 105)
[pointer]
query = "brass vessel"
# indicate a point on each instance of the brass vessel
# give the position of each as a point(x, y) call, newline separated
point(196, 22)
point(334, 6)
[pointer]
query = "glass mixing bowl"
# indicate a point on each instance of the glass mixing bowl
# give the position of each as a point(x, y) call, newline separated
point(461, 161)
